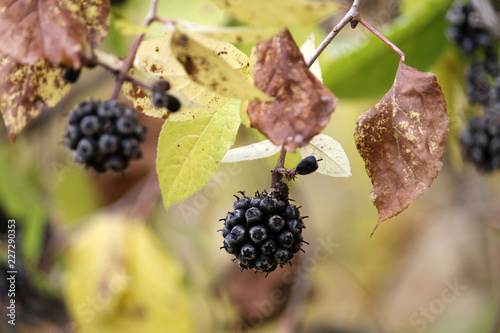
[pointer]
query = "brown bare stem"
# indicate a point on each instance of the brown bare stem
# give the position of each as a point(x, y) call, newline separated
point(379, 35)
point(129, 59)
point(351, 14)
point(277, 174)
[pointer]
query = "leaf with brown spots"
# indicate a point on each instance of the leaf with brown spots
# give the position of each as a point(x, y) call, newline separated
point(208, 69)
point(302, 105)
point(156, 58)
point(402, 140)
point(26, 89)
point(51, 29)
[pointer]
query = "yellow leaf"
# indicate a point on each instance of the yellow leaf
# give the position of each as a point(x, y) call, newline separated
point(205, 67)
point(155, 57)
point(189, 152)
point(96, 276)
point(119, 280)
point(279, 13)
point(155, 300)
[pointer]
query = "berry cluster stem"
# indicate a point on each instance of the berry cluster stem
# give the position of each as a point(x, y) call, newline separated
point(382, 37)
point(129, 59)
point(351, 14)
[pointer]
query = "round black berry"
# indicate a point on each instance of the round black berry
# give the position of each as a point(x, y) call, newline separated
point(173, 104)
point(160, 99)
point(108, 143)
point(234, 218)
point(286, 239)
point(253, 216)
point(307, 165)
point(249, 251)
point(269, 246)
point(71, 75)
point(258, 234)
point(276, 223)
point(89, 125)
point(238, 234)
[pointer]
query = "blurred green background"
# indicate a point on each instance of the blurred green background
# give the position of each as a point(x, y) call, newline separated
point(86, 266)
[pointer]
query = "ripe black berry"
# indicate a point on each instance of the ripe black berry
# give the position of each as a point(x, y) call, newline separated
point(104, 135)
point(263, 232)
point(71, 75)
point(162, 100)
point(307, 165)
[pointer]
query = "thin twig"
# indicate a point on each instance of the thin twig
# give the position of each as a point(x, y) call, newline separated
point(277, 176)
point(129, 59)
point(379, 35)
point(352, 13)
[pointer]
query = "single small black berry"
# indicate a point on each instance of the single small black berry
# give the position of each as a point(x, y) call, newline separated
point(307, 165)
point(238, 234)
point(173, 104)
point(89, 125)
point(269, 246)
point(249, 251)
point(258, 234)
point(285, 239)
point(234, 218)
point(276, 223)
point(71, 75)
point(253, 215)
point(160, 99)
point(108, 143)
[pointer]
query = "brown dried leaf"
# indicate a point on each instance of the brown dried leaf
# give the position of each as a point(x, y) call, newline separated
point(26, 89)
point(402, 140)
point(302, 104)
point(51, 29)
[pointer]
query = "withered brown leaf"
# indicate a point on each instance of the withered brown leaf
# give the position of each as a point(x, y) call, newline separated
point(402, 140)
point(302, 104)
point(51, 29)
point(26, 89)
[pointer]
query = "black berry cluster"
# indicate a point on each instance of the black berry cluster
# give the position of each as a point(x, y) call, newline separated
point(263, 232)
point(471, 34)
point(481, 143)
point(104, 135)
point(468, 30)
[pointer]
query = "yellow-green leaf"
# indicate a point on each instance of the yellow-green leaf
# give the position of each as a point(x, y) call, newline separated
point(279, 13)
point(120, 280)
point(155, 300)
point(307, 50)
point(95, 275)
point(205, 67)
point(26, 89)
point(189, 152)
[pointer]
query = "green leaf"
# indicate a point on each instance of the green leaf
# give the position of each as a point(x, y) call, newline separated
point(189, 152)
point(279, 13)
point(369, 70)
